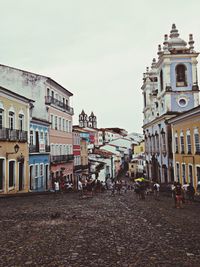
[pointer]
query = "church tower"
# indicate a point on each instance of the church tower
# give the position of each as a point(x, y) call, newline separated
point(169, 87)
point(83, 120)
point(92, 121)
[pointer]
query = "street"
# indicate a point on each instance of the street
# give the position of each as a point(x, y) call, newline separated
point(63, 230)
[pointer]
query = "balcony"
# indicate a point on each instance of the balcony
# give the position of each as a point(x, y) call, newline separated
point(51, 100)
point(61, 159)
point(36, 149)
point(77, 167)
point(7, 134)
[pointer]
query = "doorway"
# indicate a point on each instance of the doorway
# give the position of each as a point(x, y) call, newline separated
point(21, 175)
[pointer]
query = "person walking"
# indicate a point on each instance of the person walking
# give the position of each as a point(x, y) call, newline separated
point(179, 195)
point(56, 186)
point(80, 188)
point(156, 188)
point(190, 193)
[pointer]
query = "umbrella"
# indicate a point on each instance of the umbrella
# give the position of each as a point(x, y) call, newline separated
point(141, 179)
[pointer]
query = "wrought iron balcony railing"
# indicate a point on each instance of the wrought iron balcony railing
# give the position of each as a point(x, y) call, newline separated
point(36, 149)
point(7, 134)
point(51, 100)
point(61, 159)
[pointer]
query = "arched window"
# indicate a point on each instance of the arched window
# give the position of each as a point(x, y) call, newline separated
point(161, 80)
point(11, 120)
point(21, 122)
point(181, 75)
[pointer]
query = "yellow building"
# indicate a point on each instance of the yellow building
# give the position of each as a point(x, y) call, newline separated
point(186, 146)
point(14, 154)
point(138, 149)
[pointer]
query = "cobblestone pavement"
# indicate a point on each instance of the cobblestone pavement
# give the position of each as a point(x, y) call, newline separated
point(63, 230)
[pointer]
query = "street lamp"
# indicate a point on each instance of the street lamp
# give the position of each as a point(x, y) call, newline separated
point(16, 149)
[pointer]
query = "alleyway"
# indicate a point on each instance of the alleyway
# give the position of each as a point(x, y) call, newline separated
point(61, 230)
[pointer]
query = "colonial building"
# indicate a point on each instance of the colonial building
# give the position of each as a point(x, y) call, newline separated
point(186, 146)
point(14, 155)
point(52, 104)
point(169, 87)
point(77, 157)
point(39, 155)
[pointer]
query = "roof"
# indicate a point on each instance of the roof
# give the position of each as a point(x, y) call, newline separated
point(46, 77)
point(3, 89)
point(185, 115)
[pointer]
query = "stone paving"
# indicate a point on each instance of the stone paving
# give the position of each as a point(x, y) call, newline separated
point(63, 230)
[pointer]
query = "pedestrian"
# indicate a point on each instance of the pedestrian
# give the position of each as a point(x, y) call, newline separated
point(80, 188)
point(156, 189)
point(56, 186)
point(174, 193)
point(190, 192)
point(179, 195)
point(185, 196)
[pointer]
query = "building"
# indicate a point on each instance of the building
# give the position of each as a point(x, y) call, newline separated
point(85, 121)
point(39, 155)
point(170, 87)
point(14, 154)
point(77, 157)
point(52, 104)
point(186, 146)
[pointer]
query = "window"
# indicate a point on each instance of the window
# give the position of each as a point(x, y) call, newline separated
point(42, 135)
point(11, 173)
point(161, 80)
point(181, 74)
point(36, 170)
point(48, 92)
point(176, 143)
point(178, 172)
point(157, 143)
point(163, 142)
point(67, 129)
point(183, 173)
point(1, 119)
point(31, 137)
point(196, 141)
point(190, 174)
point(46, 138)
point(41, 169)
point(21, 122)
point(189, 150)
point(11, 120)
point(63, 125)
point(56, 123)
point(60, 126)
point(52, 126)
point(70, 126)
point(182, 142)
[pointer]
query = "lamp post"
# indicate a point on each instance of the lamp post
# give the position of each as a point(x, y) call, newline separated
point(16, 149)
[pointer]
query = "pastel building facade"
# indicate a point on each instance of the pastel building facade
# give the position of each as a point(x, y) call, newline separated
point(14, 154)
point(170, 87)
point(186, 146)
point(39, 155)
point(52, 104)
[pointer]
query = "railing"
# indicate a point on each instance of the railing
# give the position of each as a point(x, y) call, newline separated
point(51, 100)
point(77, 167)
point(61, 158)
point(7, 134)
point(36, 149)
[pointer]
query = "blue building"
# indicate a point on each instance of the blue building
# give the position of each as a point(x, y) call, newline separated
point(39, 155)
point(169, 88)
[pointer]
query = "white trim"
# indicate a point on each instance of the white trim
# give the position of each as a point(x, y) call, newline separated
point(4, 174)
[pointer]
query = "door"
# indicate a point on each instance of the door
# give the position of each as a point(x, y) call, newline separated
point(47, 176)
point(31, 177)
point(1, 173)
point(21, 175)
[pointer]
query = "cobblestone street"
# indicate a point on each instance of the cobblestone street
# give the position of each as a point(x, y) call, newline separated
point(63, 230)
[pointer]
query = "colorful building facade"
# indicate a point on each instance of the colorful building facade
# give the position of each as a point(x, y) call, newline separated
point(14, 154)
point(186, 146)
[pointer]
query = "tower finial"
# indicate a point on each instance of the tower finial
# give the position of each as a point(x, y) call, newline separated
point(191, 42)
point(174, 32)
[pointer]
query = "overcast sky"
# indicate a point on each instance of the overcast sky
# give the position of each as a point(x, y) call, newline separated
point(97, 49)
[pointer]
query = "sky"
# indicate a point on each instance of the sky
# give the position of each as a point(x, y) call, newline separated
point(97, 49)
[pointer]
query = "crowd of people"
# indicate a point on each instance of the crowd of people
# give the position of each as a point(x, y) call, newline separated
point(86, 187)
